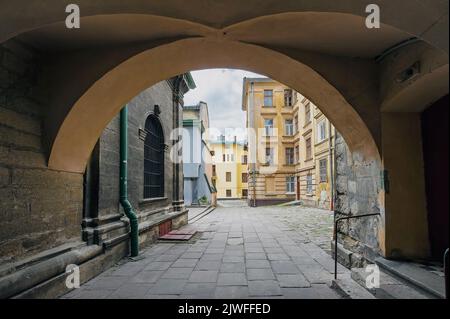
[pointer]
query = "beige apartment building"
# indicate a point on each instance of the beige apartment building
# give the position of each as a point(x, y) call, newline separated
point(229, 168)
point(290, 145)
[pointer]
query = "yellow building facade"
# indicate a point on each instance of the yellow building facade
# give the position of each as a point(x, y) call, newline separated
point(229, 169)
point(290, 145)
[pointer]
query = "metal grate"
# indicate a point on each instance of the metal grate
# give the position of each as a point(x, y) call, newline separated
point(153, 159)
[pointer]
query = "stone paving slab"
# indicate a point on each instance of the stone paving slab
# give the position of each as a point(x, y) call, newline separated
point(242, 253)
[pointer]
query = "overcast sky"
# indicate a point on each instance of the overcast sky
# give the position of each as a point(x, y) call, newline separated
point(222, 90)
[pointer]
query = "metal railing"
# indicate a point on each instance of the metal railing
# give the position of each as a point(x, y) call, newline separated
point(335, 236)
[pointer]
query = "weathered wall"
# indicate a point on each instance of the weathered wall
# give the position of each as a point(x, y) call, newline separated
point(39, 208)
point(358, 186)
point(138, 110)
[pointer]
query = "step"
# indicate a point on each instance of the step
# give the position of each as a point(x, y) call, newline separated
point(350, 289)
point(346, 257)
point(416, 274)
point(390, 287)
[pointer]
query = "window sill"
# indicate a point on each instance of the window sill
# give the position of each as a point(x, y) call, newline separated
point(152, 200)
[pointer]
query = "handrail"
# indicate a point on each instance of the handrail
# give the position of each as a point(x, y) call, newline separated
point(335, 235)
point(446, 271)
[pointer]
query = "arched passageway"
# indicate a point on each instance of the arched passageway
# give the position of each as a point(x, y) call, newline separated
point(371, 83)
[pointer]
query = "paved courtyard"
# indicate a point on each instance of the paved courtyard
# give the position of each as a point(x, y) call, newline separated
point(239, 252)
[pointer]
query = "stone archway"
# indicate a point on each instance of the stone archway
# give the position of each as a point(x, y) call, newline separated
point(324, 55)
point(70, 151)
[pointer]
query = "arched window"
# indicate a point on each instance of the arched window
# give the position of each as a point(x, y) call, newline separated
point(153, 158)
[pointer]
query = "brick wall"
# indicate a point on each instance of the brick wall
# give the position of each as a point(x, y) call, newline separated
point(39, 208)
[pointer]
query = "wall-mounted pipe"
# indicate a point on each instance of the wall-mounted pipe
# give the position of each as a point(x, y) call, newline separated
point(129, 212)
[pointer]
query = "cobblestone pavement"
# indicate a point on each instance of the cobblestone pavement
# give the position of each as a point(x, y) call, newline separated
point(240, 252)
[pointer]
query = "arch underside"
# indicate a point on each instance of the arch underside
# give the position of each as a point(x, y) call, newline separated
point(327, 55)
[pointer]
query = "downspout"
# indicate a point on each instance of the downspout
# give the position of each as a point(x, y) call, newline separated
point(128, 209)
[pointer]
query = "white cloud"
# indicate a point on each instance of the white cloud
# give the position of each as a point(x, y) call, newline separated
point(222, 90)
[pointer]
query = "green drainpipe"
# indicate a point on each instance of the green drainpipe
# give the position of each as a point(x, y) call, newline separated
point(134, 235)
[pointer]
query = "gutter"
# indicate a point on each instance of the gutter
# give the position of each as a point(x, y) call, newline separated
point(128, 209)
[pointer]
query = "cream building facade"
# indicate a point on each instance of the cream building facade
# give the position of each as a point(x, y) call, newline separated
point(290, 144)
point(229, 168)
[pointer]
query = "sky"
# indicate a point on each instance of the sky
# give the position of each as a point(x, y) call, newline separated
point(221, 89)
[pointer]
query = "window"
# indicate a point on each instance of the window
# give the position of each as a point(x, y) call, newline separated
point(307, 113)
point(321, 131)
point(244, 178)
point(244, 159)
point(289, 152)
point(223, 157)
point(228, 192)
point(323, 170)
point(153, 158)
point(288, 97)
point(309, 184)
point(308, 148)
point(290, 184)
point(232, 157)
point(245, 193)
point(268, 127)
point(214, 172)
point(268, 98)
point(297, 154)
point(228, 176)
point(289, 127)
point(269, 156)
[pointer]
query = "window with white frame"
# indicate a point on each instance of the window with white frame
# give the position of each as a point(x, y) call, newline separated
point(309, 183)
point(289, 155)
point(269, 155)
point(323, 170)
point(288, 97)
point(268, 98)
point(290, 184)
point(307, 113)
point(321, 131)
point(289, 127)
point(268, 127)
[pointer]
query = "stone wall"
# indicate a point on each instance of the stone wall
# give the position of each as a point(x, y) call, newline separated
point(39, 208)
point(358, 186)
point(138, 110)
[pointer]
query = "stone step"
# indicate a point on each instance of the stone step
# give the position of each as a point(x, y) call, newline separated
point(390, 286)
point(346, 257)
point(349, 288)
point(421, 276)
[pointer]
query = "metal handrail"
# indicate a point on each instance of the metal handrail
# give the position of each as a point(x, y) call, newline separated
point(446, 271)
point(335, 236)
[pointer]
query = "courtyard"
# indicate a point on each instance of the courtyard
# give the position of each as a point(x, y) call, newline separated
point(238, 252)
